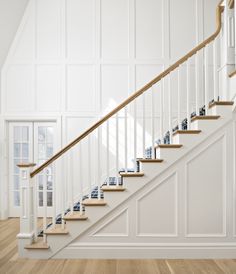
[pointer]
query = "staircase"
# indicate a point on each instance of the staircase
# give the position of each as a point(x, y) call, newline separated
point(136, 211)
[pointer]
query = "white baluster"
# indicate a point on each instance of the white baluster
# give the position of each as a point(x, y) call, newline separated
point(45, 204)
point(179, 98)
point(206, 61)
point(197, 79)
point(135, 135)
point(81, 176)
point(108, 153)
point(144, 125)
point(161, 110)
point(99, 162)
point(54, 195)
point(153, 122)
point(215, 68)
point(63, 163)
point(71, 170)
point(126, 142)
point(36, 204)
point(89, 167)
point(117, 146)
point(188, 95)
point(169, 107)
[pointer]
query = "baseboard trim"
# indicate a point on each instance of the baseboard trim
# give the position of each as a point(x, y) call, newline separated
point(150, 251)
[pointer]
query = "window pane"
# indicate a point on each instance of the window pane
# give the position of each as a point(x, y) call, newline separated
point(49, 182)
point(41, 134)
point(40, 198)
point(16, 182)
point(49, 134)
point(17, 134)
point(40, 182)
point(17, 150)
point(42, 151)
point(25, 150)
point(49, 198)
point(16, 168)
point(25, 134)
point(16, 198)
point(49, 150)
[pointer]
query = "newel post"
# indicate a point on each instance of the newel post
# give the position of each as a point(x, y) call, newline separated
point(27, 206)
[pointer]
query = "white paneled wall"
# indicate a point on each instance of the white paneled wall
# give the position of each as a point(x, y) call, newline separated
point(76, 59)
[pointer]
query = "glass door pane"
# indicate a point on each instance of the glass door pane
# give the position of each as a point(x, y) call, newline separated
point(44, 146)
point(20, 151)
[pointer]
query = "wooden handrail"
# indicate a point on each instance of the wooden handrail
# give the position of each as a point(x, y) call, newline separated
point(231, 4)
point(219, 10)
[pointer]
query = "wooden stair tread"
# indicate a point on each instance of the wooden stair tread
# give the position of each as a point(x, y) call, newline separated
point(37, 245)
point(187, 132)
point(75, 216)
point(58, 230)
point(150, 160)
point(205, 117)
point(131, 174)
point(169, 146)
point(221, 103)
point(113, 188)
point(94, 202)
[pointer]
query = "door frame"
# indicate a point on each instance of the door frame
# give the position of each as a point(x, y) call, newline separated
point(4, 156)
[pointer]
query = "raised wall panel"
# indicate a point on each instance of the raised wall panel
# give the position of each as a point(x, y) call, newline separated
point(48, 29)
point(143, 75)
point(206, 192)
point(80, 29)
point(20, 89)
point(182, 27)
point(149, 29)
point(116, 226)
point(209, 17)
point(114, 29)
point(49, 88)
point(157, 210)
point(81, 88)
point(115, 85)
point(24, 49)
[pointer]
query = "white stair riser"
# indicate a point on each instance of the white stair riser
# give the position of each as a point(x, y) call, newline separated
point(225, 111)
point(186, 139)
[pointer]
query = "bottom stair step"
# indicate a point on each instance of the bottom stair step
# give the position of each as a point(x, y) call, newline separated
point(37, 245)
point(94, 202)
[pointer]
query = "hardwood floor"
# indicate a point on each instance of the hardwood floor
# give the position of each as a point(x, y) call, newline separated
point(10, 263)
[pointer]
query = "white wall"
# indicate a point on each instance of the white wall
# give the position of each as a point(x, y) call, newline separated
point(75, 59)
point(11, 12)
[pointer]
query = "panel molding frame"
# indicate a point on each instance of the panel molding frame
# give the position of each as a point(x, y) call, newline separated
point(159, 235)
point(224, 206)
point(118, 214)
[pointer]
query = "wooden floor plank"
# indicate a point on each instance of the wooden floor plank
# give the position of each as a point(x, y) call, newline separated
point(11, 264)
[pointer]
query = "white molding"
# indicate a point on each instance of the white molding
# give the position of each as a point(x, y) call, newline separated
point(234, 179)
point(199, 152)
point(96, 233)
point(161, 235)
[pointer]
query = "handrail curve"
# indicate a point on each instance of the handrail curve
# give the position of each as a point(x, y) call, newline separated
point(131, 98)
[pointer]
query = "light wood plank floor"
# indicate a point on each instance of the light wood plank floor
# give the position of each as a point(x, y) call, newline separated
point(10, 263)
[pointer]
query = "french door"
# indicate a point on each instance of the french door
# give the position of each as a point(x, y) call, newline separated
point(31, 142)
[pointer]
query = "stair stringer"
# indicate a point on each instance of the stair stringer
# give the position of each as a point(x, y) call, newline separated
point(58, 242)
point(178, 242)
